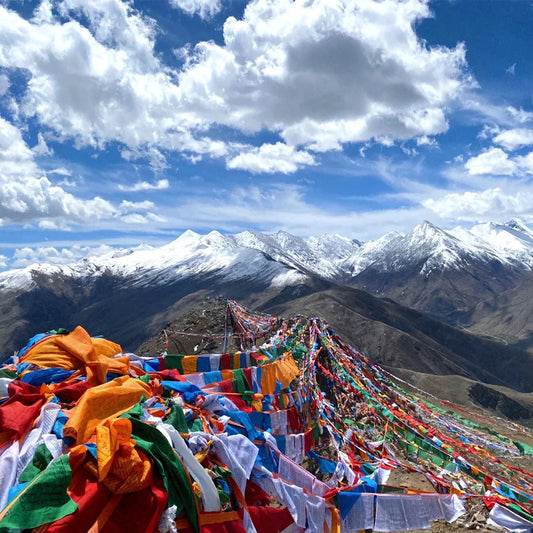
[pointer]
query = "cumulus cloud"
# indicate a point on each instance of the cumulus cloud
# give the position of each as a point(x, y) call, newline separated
point(26, 195)
point(515, 138)
point(492, 161)
point(159, 185)
point(319, 74)
point(326, 73)
point(476, 206)
point(94, 84)
point(203, 8)
point(525, 163)
point(270, 158)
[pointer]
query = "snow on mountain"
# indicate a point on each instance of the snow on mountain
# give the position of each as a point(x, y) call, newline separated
point(284, 259)
point(335, 247)
point(318, 255)
point(426, 245)
point(512, 242)
point(371, 252)
point(190, 255)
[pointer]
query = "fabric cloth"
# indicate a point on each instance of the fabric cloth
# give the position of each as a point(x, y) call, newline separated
point(293, 498)
point(8, 470)
point(35, 437)
point(360, 516)
point(101, 403)
point(189, 390)
point(238, 453)
point(500, 516)
point(315, 509)
point(294, 473)
point(78, 350)
point(397, 512)
point(18, 414)
point(4, 383)
point(169, 466)
point(210, 498)
point(96, 504)
point(27, 511)
point(270, 519)
point(47, 375)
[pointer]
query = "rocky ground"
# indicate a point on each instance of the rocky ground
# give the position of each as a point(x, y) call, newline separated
point(199, 331)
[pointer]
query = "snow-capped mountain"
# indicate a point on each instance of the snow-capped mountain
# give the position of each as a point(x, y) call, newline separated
point(190, 255)
point(435, 249)
point(331, 257)
point(446, 273)
point(281, 258)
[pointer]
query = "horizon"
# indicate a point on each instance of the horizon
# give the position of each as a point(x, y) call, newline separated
point(129, 122)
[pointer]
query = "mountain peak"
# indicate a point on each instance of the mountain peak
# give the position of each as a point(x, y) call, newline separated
point(427, 228)
point(427, 232)
point(517, 224)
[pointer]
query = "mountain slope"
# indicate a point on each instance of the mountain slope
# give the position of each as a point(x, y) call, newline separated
point(399, 337)
point(125, 296)
point(433, 271)
point(476, 279)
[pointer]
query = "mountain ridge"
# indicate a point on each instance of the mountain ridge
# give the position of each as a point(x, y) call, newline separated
point(429, 277)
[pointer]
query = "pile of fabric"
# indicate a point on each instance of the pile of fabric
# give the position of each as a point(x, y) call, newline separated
point(299, 434)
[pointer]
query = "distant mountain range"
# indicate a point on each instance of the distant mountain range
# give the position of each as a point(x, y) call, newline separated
point(478, 280)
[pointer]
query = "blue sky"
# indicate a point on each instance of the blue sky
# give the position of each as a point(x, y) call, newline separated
point(129, 122)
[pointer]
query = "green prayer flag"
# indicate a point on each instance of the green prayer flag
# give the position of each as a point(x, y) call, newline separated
point(43, 500)
point(151, 441)
point(176, 418)
point(523, 448)
point(174, 361)
point(41, 458)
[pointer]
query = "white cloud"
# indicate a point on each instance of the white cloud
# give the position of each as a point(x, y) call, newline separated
point(3, 261)
point(526, 163)
point(128, 207)
point(280, 206)
point(318, 73)
point(492, 161)
point(326, 73)
point(26, 195)
point(135, 218)
point(62, 171)
point(60, 256)
point(157, 160)
point(511, 69)
point(203, 8)
point(520, 115)
point(145, 186)
point(480, 206)
point(270, 158)
point(94, 85)
point(515, 138)
point(41, 148)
